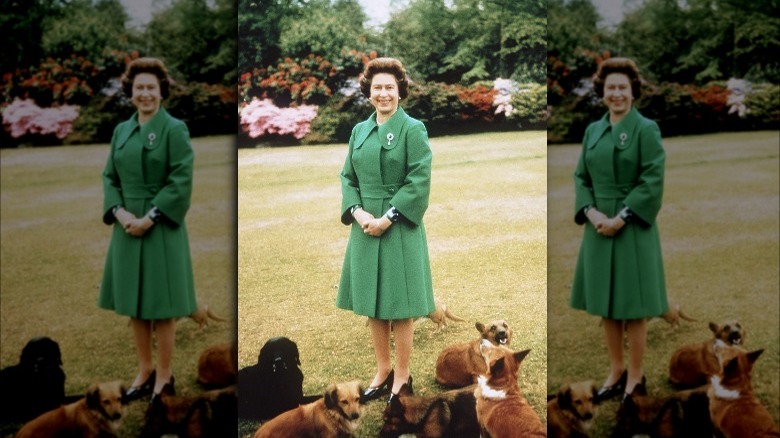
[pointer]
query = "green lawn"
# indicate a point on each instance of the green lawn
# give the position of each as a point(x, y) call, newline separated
point(487, 237)
point(719, 233)
point(53, 248)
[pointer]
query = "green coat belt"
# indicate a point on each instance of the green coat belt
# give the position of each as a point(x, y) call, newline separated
point(151, 165)
point(388, 277)
point(621, 277)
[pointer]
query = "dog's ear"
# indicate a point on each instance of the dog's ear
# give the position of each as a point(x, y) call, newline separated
point(713, 327)
point(564, 397)
point(404, 391)
point(520, 355)
point(594, 391)
point(480, 327)
point(331, 397)
point(93, 396)
point(498, 365)
point(123, 395)
point(753, 355)
point(731, 367)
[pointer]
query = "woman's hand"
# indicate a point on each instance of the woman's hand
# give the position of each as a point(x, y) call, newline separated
point(123, 217)
point(377, 227)
point(139, 227)
point(362, 217)
point(610, 227)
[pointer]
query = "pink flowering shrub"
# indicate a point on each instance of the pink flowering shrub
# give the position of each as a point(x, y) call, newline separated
point(25, 117)
point(261, 117)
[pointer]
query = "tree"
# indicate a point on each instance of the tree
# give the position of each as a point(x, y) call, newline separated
point(196, 40)
point(85, 28)
point(21, 25)
point(260, 25)
point(324, 29)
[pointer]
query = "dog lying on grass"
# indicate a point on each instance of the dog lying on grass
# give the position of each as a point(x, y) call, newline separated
point(502, 410)
point(449, 414)
point(691, 365)
point(98, 414)
point(460, 364)
point(570, 412)
point(683, 414)
point(734, 408)
point(218, 366)
point(35, 385)
point(210, 414)
point(335, 415)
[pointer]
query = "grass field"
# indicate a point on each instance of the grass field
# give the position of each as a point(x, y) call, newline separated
point(53, 248)
point(719, 232)
point(487, 240)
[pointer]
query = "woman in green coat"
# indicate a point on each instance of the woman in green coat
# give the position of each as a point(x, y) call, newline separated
point(385, 185)
point(618, 189)
point(147, 182)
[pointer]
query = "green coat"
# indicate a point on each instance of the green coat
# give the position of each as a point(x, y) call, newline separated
point(387, 277)
point(151, 165)
point(621, 277)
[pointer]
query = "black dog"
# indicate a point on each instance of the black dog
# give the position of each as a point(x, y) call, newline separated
point(35, 385)
point(274, 385)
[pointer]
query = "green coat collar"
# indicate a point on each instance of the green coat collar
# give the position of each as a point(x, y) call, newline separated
point(151, 131)
point(388, 131)
point(622, 132)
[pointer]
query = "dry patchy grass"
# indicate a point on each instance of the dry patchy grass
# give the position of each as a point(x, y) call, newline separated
point(487, 240)
point(719, 233)
point(53, 248)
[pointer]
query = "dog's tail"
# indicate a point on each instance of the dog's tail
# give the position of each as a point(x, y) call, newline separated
point(450, 315)
point(211, 315)
point(687, 317)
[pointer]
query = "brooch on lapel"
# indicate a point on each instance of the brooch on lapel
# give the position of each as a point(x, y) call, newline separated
point(623, 138)
point(390, 138)
point(151, 138)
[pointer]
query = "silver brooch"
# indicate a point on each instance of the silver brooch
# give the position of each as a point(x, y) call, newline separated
point(151, 138)
point(623, 138)
point(390, 138)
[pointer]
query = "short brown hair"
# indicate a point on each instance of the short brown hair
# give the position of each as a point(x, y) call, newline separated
point(146, 65)
point(385, 65)
point(625, 66)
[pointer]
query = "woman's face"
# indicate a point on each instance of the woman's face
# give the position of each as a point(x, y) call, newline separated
point(146, 94)
point(617, 93)
point(384, 94)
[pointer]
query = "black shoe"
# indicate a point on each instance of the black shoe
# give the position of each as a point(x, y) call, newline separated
point(639, 389)
point(374, 392)
point(137, 392)
point(168, 388)
point(394, 395)
point(609, 392)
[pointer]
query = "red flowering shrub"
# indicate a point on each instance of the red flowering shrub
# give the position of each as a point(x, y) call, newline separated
point(477, 103)
point(311, 80)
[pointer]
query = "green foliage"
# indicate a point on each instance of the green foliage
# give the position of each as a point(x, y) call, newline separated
point(325, 30)
point(195, 40)
point(530, 106)
point(85, 29)
point(260, 24)
point(22, 26)
point(679, 109)
point(335, 119)
point(470, 40)
point(764, 112)
point(703, 40)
